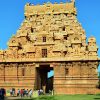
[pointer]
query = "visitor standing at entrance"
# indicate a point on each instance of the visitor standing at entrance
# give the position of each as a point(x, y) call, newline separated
point(2, 93)
point(18, 92)
point(10, 92)
point(27, 92)
point(21, 92)
point(30, 93)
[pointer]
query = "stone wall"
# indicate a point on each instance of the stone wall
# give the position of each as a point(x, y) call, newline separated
point(55, 28)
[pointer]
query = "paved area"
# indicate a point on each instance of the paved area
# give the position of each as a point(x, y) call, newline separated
point(17, 98)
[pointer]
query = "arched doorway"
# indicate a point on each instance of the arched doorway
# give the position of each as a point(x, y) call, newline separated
point(42, 80)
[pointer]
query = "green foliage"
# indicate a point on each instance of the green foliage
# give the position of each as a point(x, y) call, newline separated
point(68, 97)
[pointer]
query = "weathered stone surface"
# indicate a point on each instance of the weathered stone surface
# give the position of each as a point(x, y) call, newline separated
point(50, 38)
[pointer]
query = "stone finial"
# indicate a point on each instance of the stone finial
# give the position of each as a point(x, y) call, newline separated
point(27, 4)
point(92, 39)
point(49, 2)
point(61, 2)
point(44, 3)
point(73, 1)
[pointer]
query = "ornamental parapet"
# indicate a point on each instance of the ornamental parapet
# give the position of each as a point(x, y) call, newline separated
point(49, 8)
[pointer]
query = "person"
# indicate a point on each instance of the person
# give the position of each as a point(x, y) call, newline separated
point(18, 92)
point(30, 93)
point(0, 94)
point(10, 92)
point(24, 92)
point(13, 91)
point(38, 92)
point(21, 92)
point(27, 92)
point(41, 91)
point(3, 93)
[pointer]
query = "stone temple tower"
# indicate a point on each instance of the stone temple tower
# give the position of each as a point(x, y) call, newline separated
point(50, 38)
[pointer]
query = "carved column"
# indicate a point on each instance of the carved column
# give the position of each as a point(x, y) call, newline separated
point(4, 73)
point(76, 68)
point(69, 69)
point(84, 69)
point(59, 67)
point(59, 76)
point(93, 69)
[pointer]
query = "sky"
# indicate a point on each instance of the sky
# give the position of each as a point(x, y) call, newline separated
point(12, 15)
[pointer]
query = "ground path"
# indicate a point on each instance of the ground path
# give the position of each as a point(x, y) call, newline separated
point(17, 98)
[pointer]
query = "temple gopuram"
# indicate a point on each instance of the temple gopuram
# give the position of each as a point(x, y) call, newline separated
point(50, 38)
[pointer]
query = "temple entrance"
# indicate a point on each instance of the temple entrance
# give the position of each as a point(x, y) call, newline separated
point(42, 80)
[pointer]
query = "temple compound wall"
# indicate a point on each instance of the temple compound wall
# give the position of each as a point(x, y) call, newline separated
point(51, 38)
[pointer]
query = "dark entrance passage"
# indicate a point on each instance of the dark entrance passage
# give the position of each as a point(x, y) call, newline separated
point(42, 80)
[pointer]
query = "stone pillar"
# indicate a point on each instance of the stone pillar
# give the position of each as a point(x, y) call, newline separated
point(59, 78)
point(69, 70)
point(93, 69)
point(2, 73)
point(37, 82)
point(76, 69)
point(84, 69)
point(1, 70)
point(59, 67)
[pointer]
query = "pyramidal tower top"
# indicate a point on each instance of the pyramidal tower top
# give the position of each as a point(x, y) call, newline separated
point(49, 8)
point(59, 25)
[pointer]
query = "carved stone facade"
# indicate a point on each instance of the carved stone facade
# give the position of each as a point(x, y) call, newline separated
point(50, 38)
